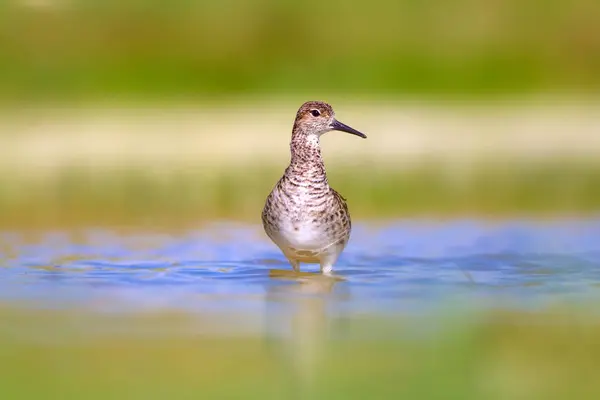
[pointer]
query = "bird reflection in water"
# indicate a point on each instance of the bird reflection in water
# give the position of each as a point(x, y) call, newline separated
point(301, 321)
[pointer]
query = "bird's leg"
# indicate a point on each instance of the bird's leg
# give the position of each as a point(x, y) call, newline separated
point(327, 262)
point(295, 264)
point(329, 257)
point(326, 269)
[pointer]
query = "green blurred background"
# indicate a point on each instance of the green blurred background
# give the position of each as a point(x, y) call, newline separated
point(547, 355)
point(77, 49)
point(80, 80)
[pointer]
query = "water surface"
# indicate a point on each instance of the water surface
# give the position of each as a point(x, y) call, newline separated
point(401, 267)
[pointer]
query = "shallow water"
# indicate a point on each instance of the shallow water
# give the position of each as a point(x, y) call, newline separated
point(404, 267)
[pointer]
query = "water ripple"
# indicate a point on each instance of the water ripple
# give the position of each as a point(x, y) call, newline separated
point(394, 267)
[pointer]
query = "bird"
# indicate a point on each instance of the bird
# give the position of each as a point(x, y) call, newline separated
point(305, 217)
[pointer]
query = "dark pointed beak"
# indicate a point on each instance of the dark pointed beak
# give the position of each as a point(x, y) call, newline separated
point(338, 126)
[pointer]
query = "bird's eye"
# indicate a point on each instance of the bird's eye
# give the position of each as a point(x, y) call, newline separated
point(315, 113)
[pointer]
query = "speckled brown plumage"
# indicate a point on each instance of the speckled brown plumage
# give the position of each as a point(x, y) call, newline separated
point(306, 218)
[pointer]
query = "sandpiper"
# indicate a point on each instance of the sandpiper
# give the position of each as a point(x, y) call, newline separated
point(303, 215)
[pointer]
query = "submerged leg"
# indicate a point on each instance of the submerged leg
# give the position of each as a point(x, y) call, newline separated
point(295, 264)
point(326, 268)
point(329, 258)
point(327, 262)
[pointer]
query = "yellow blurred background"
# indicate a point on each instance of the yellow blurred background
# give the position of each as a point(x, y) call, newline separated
point(486, 108)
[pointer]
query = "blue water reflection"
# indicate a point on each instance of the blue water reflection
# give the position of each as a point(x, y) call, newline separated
point(399, 267)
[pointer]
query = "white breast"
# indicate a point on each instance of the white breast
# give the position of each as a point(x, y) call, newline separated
point(302, 235)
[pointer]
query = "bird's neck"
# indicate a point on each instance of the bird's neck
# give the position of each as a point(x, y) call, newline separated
point(306, 149)
point(306, 160)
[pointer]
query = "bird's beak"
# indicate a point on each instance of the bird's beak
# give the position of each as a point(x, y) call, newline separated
point(338, 126)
